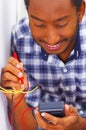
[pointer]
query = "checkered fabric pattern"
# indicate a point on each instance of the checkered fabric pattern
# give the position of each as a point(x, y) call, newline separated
point(57, 81)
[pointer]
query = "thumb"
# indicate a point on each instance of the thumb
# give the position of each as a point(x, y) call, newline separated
point(70, 110)
point(67, 110)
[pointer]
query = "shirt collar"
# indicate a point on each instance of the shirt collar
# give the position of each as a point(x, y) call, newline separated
point(75, 54)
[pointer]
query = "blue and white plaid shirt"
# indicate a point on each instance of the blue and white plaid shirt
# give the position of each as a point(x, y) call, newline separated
point(58, 81)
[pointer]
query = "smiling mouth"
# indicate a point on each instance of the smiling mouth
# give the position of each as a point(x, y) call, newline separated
point(54, 47)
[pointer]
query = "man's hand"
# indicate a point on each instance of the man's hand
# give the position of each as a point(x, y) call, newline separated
point(11, 76)
point(71, 121)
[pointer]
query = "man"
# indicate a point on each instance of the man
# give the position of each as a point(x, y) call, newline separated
point(51, 47)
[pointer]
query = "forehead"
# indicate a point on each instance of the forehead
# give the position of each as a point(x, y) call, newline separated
point(47, 7)
point(50, 3)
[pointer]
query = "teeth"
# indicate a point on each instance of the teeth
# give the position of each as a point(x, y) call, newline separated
point(53, 46)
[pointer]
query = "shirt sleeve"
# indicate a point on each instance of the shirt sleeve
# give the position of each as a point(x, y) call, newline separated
point(34, 95)
point(13, 41)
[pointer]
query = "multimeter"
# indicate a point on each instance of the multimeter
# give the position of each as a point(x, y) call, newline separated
point(55, 108)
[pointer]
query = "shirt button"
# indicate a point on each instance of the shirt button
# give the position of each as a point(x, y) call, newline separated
point(65, 70)
point(81, 112)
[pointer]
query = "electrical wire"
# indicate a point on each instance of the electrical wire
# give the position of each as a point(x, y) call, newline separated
point(14, 106)
point(11, 91)
point(12, 113)
point(23, 114)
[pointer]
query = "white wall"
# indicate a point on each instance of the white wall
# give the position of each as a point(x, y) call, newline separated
point(10, 12)
point(21, 9)
point(7, 19)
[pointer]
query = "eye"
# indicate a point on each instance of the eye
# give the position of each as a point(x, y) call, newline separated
point(40, 25)
point(62, 24)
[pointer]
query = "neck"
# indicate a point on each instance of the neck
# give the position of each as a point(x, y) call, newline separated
point(64, 56)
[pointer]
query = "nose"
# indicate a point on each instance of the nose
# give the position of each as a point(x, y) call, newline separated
point(52, 36)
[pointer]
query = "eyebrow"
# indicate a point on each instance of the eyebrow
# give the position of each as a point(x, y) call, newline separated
point(62, 18)
point(57, 20)
point(34, 17)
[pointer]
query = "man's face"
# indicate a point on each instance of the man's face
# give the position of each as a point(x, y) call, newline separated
point(54, 25)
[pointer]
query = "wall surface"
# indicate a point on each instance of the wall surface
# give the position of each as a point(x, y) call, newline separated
point(10, 12)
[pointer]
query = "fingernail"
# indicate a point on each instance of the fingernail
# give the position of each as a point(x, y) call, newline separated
point(18, 66)
point(20, 74)
point(54, 123)
point(20, 81)
point(22, 86)
point(35, 111)
point(21, 64)
point(43, 114)
point(67, 107)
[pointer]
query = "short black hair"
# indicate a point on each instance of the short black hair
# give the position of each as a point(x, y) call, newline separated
point(26, 3)
point(76, 3)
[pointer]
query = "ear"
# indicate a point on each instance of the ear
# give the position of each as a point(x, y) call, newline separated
point(81, 11)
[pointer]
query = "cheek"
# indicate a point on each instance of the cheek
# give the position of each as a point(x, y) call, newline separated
point(36, 33)
point(72, 28)
point(71, 31)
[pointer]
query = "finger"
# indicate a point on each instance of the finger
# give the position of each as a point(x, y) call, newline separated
point(65, 121)
point(52, 119)
point(19, 66)
point(8, 76)
point(13, 70)
point(13, 61)
point(71, 115)
point(12, 81)
point(67, 109)
point(16, 63)
point(71, 120)
point(44, 124)
point(9, 84)
point(41, 122)
point(70, 110)
point(73, 110)
point(26, 84)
